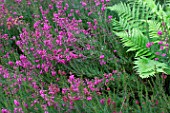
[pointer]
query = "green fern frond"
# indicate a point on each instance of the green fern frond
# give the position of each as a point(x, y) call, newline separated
point(136, 41)
point(147, 16)
point(154, 27)
point(146, 67)
point(167, 8)
point(130, 16)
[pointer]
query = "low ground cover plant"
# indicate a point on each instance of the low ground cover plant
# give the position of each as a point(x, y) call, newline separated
point(84, 56)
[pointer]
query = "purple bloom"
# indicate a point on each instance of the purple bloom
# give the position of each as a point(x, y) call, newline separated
point(5, 111)
point(83, 4)
point(102, 56)
point(159, 33)
point(160, 42)
point(110, 17)
point(149, 44)
point(89, 98)
point(161, 47)
point(164, 55)
point(102, 101)
point(156, 59)
point(16, 103)
point(114, 51)
point(157, 53)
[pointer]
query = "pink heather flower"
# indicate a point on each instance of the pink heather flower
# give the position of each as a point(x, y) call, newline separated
point(161, 47)
point(114, 71)
point(14, 13)
point(89, 13)
point(157, 102)
point(21, 17)
point(22, 57)
point(53, 73)
point(137, 102)
point(71, 78)
point(10, 63)
point(159, 33)
point(114, 51)
point(166, 45)
point(83, 4)
point(164, 76)
point(16, 103)
point(86, 92)
point(102, 62)
point(46, 26)
point(102, 101)
point(18, 1)
point(157, 53)
point(77, 12)
point(102, 56)
point(160, 42)
point(103, 7)
point(36, 24)
point(109, 17)
point(18, 63)
point(18, 42)
point(109, 101)
point(64, 90)
point(89, 98)
point(149, 44)
point(156, 59)
point(4, 111)
point(164, 55)
point(102, 1)
point(73, 55)
point(97, 3)
point(50, 6)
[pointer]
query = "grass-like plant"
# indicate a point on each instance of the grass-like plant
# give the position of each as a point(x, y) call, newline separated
point(66, 56)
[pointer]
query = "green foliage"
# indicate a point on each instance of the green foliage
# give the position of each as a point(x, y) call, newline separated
point(138, 24)
point(136, 41)
point(146, 67)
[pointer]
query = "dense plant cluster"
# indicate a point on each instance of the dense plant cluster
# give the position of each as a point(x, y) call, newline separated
point(84, 56)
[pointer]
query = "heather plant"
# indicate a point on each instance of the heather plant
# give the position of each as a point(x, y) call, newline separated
point(62, 56)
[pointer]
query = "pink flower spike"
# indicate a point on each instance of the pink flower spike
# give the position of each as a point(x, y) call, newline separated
point(4, 111)
point(149, 44)
point(83, 4)
point(164, 55)
point(160, 42)
point(114, 51)
point(16, 103)
point(159, 33)
point(71, 78)
point(156, 59)
point(53, 73)
point(102, 56)
point(110, 17)
point(102, 101)
point(89, 98)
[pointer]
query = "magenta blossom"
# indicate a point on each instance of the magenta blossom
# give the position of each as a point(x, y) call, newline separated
point(102, 56)
point(159, 33)
point(16, 103)
point(149, 44)
point(89, 98)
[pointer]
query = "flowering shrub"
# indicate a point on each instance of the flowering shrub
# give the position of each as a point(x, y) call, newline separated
point(62, 56)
